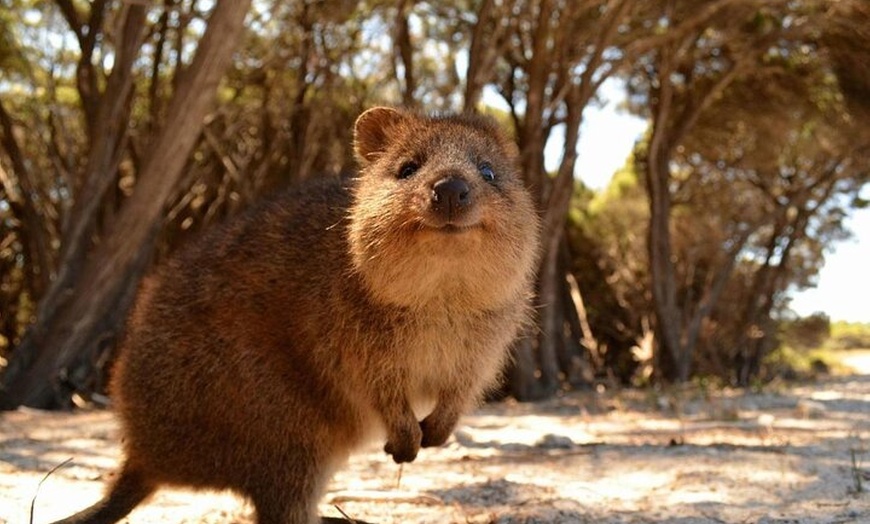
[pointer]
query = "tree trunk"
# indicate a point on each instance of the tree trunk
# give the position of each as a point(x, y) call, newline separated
point(403, 54)
point(757, 325)
point(531, 135)
point(522, 383)
point(107, 139)
point(33, 232)
point(487, 43)
point(62, 351)
point(550, 317)
point(668, 318)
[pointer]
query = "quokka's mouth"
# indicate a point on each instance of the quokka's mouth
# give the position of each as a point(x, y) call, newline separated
point(452, 228)
point(438, 225)
point(455, 229)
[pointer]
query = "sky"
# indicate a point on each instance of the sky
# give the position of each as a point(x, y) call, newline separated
point(843, 285)
point(843, 290)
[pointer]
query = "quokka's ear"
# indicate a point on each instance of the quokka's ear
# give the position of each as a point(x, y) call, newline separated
point(372, 132)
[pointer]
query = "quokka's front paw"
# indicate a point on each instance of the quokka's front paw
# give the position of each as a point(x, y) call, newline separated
point(436, 431)
point(404, 443)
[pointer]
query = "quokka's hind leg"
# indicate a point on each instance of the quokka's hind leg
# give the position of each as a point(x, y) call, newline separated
point(287, 489)
point(269, 513)
point(128, 490)
point(283, 505)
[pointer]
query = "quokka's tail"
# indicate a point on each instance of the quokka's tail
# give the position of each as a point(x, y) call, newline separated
point(128, 490)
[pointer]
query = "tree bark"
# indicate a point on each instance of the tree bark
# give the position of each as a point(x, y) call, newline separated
point(551, 281)
point(674, 115)
point(487, 44)
point(531, 135)
point(661, 268)
point(58, 356)
point(108, 136)
point(766, 283)
point(553, 194)
point(86, 32)
point(403, 53)
point(522, 384)
point(34, 234)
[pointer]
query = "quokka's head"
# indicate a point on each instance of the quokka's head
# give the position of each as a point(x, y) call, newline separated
point(440, 211)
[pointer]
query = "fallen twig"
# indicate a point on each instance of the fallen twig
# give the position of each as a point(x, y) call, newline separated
point(35, 495)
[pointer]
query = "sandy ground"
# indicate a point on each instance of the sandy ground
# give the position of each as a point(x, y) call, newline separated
point(787, 455)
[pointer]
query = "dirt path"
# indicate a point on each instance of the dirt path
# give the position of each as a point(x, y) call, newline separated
point(858, 360)
point(780, 457)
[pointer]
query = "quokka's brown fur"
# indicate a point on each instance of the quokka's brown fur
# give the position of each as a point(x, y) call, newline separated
point(338, 313)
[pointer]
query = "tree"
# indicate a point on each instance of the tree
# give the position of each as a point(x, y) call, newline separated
point(681, 79)
point(845, 38)
point(557, 55)
point(607, 238)
point(90, 293)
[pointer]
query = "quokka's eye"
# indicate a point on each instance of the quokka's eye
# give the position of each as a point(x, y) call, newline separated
point(486, 171)
point(408, 169)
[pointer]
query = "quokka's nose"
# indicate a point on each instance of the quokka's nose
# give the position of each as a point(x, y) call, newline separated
point(451, 196)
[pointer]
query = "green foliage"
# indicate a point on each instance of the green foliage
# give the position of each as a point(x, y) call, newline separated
point(806, 333)
point(849, 335)
point(503, 117)
point(790, 363)
point(813, 344)
point(11, 57)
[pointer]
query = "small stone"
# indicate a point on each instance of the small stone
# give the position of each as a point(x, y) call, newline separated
point(551, 441)
point(810, 409)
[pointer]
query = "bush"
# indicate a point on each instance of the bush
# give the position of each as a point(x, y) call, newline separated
point(850, 335)
point(807, 332)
